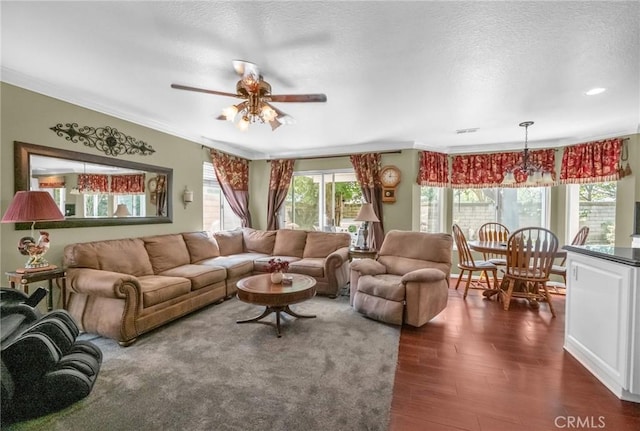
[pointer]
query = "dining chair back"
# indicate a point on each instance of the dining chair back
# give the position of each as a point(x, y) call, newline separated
point(494, 232)
point(580, 239)
point(467, 263)
point(530, 255)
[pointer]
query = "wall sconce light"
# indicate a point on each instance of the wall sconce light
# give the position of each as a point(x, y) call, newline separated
point(187, 196)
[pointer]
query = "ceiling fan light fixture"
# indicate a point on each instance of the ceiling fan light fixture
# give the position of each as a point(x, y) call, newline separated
point(243, 124)
point(256, 93)
point(267, 113)
point(230, 112)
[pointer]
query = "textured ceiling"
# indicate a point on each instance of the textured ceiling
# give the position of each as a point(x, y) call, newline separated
point(396, 74)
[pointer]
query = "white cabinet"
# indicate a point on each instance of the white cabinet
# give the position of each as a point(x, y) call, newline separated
point(602, 326)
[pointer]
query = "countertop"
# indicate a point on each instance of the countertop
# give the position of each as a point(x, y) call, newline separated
point(624, 255)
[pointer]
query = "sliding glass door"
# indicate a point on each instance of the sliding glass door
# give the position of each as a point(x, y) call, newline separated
point(323, 201)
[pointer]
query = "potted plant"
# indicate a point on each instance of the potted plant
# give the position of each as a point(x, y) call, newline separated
point(277, 267)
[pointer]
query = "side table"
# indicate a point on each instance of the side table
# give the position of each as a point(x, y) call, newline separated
point(27, 277)
point(355, 253)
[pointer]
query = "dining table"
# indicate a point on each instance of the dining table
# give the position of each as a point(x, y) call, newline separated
point(499, 247)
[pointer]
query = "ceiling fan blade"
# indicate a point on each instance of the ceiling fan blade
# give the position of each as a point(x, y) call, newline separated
point(202, 90)
point(274, 124)
point(298, 98)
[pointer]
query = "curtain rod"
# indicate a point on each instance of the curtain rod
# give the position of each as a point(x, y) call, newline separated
point(338, 155)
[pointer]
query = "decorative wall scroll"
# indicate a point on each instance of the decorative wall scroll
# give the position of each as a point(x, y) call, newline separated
point(106, 139)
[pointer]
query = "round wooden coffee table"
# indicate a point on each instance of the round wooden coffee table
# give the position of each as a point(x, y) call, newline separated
point(259, 290)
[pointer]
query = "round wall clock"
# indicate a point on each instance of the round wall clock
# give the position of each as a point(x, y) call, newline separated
point(153, 184)
point(390, 176)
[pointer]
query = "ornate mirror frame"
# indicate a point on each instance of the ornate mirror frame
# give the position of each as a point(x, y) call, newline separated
point(22, 166)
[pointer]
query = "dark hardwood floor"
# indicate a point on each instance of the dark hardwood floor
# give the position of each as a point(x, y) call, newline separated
point(478, 367)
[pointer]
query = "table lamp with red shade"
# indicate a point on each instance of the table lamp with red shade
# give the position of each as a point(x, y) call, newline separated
point(31, 207)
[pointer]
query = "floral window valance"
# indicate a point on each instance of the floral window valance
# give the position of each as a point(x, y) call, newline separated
point(367, 169)
point(51, 182)
point(93, 183)
point(591, 162)
point(127, 184)
point(231, 170)
point(433, 169)
point(487, 170)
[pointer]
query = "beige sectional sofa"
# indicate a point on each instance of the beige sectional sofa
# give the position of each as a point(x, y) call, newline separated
point(123, 288)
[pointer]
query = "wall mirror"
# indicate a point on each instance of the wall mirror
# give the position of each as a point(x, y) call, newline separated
point(94, 190)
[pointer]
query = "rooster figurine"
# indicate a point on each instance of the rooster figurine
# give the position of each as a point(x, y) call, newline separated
point(35, 250)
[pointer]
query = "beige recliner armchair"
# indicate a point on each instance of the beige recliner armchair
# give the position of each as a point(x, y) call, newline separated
point(408, 282)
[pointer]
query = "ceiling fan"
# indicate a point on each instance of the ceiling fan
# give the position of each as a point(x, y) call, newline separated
point(256, 95)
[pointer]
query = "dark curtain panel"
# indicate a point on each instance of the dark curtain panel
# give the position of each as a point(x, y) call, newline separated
point(367, 167)
point(232, 174)
point(281, 172)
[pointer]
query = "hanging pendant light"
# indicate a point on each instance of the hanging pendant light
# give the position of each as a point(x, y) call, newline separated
point(535, 172)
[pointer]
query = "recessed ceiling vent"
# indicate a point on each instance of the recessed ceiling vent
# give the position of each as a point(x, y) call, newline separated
point(472, 130)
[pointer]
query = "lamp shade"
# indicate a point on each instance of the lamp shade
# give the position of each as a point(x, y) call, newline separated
point(366, 213)
point(32, 206)
point(122, 211)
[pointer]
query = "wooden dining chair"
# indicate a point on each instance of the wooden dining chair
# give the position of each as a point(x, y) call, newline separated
point(467, 263)
point(530, 255)
point(580, 239)
point(494, 232)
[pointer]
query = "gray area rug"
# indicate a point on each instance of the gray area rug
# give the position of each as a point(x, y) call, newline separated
point(205, 372)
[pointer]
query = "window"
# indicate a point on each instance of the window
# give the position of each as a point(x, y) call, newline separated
point(96, 205)
point(592, 205)
point(513, 207)
point(104, 204)
point(216, 212)
point(431, 211)
point(326, 200)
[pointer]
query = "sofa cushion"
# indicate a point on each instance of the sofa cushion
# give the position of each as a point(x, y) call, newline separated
point(322, 244)
point(201, 246)
point(127, 256)
point(385, 286)
point(229, 241)
point(236, 265)
point(312, 266)
point(157, 289)
point(200, 275)
point(259, 241)
point(166, 251)
point(289, 242)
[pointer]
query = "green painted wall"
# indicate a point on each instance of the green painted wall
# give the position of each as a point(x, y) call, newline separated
point(26, 116)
